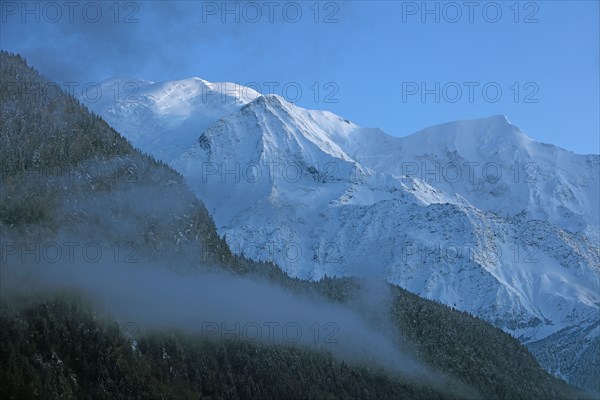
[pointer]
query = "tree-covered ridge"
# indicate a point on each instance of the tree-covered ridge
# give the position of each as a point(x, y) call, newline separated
point(60, 349)
point(67, 134)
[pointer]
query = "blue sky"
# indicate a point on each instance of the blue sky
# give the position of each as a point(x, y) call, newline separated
point(370, 62)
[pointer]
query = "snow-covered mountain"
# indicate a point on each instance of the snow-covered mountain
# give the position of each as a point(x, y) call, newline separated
point(163, 119)
point(474, 214)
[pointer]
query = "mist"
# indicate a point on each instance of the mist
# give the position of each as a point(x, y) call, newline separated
point(218, 306)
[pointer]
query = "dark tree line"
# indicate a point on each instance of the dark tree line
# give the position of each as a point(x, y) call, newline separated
point(59, 349)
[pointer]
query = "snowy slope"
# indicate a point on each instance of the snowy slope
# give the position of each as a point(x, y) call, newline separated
point(496, 167)
point(474, 214)
point(164, 119)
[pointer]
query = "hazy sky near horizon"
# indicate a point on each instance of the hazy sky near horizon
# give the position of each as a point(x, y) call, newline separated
point(399, 66)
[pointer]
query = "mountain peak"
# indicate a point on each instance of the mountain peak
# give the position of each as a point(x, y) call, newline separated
point(493, 131)
point(495, 122)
